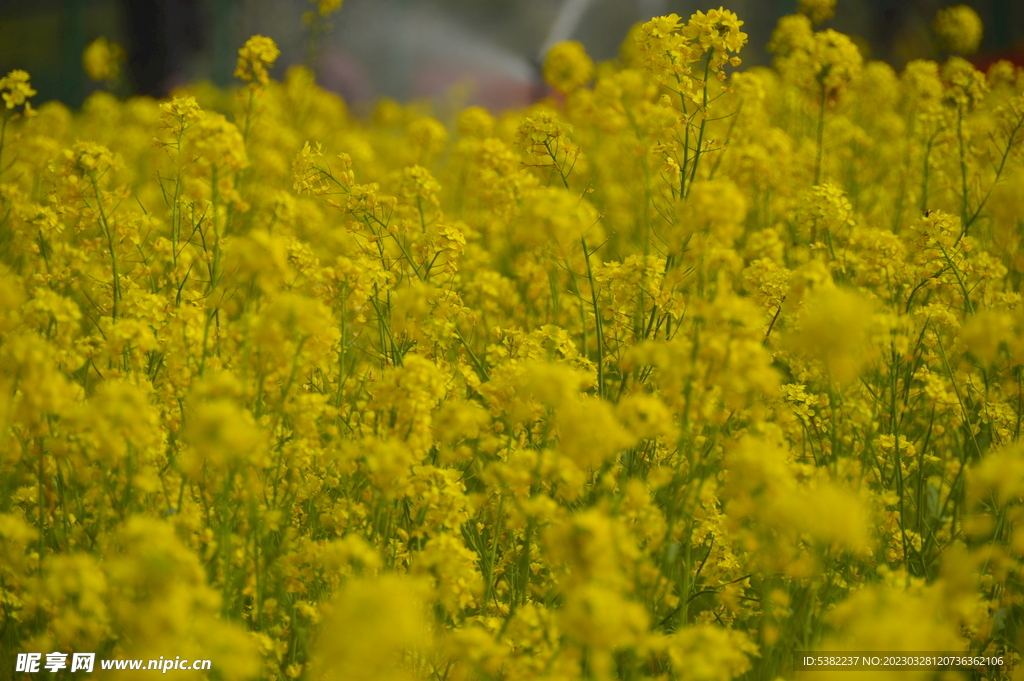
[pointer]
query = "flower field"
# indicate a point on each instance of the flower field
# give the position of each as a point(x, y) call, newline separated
point(672, 375)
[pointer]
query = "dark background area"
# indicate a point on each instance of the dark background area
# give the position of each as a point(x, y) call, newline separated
point(486, 50)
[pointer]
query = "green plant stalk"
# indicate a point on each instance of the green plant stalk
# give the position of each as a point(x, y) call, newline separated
point(109, 234)
point(894, 431)
point(999, 173)
point(960, 401)
point(703, 125)
point(225, 544)
point(256, 568)
point(599, 330)
point(554, 163)
point(249, 114)
point(280, 413)
point(926, 171)
point(819, 161)
point(42, 515)
point(492, 556)
point(684, 168)
point(215, 200)
point(959, 279)
point(963, 165)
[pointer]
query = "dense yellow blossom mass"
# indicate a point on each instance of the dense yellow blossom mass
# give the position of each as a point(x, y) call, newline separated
point(673, 376)
point(102, 60)
point(959, 28)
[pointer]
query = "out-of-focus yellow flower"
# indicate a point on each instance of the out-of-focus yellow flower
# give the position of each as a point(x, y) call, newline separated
point(645, 416)
point(959, 29)
point(600, 617)
point(427, 137)
point(557, 220)
point(826, 61)
point(255, 58)
point(818, 10)
point(590, 432)
point(822, 211)
point(223, 436)
point(892, 617)
point(178, 115)
point(15, 537)
point(475, 121)
point(102, 59)
point(998, 479)
point(156, 590)
point(717, 207)
point(965, 85)
point(762, 487)
point(567, 66)
point(834, 328)
point(453, 569)
point(327, 7)
point(385, 615)
point(16, 90)
point(218, 142)
point(985, 332)
point(710, 653)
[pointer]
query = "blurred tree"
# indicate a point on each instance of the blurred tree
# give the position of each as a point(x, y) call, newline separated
point(162, 35)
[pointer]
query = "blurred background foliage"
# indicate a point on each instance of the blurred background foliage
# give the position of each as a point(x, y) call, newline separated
point(473, 51)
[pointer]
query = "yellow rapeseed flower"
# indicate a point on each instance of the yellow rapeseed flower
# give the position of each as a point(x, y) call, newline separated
point(327, 7)
point(16, 90)
point(834, 328)
point(102, 59)
point(818, 10)
point(634, 383)
point(386, 615)
point(255, 58)
point(567, 66)
point(959, 29)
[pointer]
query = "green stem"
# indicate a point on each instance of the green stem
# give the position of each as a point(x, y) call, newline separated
point(963, 165)
point(493, 556)
point(894, 431)
point(927, 169)
point(999, 173)
point(215, 200)
point(821, 137)
point(703, 123)
point(42, 525)
point(685, 167)
point(109, 233)
point(597, 319)
point(959, 279)
point(248, 115)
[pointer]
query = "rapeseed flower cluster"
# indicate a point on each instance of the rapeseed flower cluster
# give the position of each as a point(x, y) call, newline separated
point(671, 375)
point(102, 60)
point(959, 29)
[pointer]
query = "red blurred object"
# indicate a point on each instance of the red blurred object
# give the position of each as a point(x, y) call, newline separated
point(983, 61)
point(493, 90)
